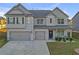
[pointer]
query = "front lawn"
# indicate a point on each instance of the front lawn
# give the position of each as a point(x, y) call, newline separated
point(3, 42)
point(75, 35)
point(64, 48)
point(3, 38)
point(61, 48)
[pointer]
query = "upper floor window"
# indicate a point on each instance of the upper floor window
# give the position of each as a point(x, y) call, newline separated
point(60, 21)
point(10, 20)
point(50, 20)
point(39, 21)
point(18, 20)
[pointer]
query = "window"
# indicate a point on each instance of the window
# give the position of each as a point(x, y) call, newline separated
point(19, 20)
point(22, 20)
point(50, 20)
point(39, 21)
point(60, 33)
point(10, 20)
point(60, 21)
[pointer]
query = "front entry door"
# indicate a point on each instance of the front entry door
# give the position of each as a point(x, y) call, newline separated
point(50, 34)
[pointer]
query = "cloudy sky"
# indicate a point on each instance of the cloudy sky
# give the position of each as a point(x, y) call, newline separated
point(69, 8)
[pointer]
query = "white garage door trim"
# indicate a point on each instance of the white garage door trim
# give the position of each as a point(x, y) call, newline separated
point(20, 35)
point(39, 35)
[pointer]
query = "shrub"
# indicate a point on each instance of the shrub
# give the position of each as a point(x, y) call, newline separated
point(67, 38)
point(64, 39)
point(56, 38)
point(71, 39)
point(60, 38)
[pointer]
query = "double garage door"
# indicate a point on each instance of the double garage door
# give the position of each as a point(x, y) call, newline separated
point(39, 35)
point(20, 35)
point(24, 35)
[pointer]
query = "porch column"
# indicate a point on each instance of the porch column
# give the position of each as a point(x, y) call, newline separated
point(71, 33)
point(54, 34)
point(47, 35)
point(65, 33)
point(32, 35)
point(8, 35)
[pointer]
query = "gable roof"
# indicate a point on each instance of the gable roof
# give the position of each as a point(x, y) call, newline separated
point(75, 15)
point(18, 9)
point(60, 11)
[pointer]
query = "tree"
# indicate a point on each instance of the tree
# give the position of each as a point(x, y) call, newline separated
point(2, 24)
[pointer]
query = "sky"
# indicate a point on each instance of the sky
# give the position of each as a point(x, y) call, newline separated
point(69, 8)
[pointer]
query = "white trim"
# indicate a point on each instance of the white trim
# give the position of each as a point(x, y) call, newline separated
point(8, 35)
point(46, 33)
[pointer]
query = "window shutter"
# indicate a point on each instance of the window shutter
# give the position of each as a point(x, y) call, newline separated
point(13, 20)
point(22, 20)
point(8, 20)
point(17, 20)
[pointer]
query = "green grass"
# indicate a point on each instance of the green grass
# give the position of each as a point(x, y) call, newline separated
point(64, 48)
point(75, 35)
point(60, 48)
point(3, 42)
point(3, 39)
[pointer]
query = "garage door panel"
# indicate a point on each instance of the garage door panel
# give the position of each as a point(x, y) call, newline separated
point(20, 35)
point(40, 35)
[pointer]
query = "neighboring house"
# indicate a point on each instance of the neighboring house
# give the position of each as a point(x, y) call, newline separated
point(24, 24)
point(75, 20)
point(3, 24)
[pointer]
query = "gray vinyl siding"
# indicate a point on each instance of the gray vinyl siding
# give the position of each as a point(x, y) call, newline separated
point(76, 22)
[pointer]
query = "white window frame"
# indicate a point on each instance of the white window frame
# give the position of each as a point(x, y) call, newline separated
point(10, 20)
point(50, 20)
point(59, 21)
point(40, 21)
point(20, 20)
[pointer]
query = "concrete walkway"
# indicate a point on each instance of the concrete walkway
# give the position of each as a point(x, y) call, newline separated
point(25, 48)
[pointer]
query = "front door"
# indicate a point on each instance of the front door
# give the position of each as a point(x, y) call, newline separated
point(50, 34)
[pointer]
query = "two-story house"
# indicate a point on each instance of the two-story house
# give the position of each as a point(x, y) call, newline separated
point(24, 24)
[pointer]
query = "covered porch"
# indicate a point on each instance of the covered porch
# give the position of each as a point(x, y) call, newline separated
point(52, 33)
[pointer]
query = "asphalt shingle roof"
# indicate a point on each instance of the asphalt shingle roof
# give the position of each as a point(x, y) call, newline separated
point(20, 9)
point(40, 13)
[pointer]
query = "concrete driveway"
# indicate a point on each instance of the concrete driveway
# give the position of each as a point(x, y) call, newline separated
point(35, 47)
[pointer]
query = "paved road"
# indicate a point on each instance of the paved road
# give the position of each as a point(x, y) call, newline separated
point(25, 48)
